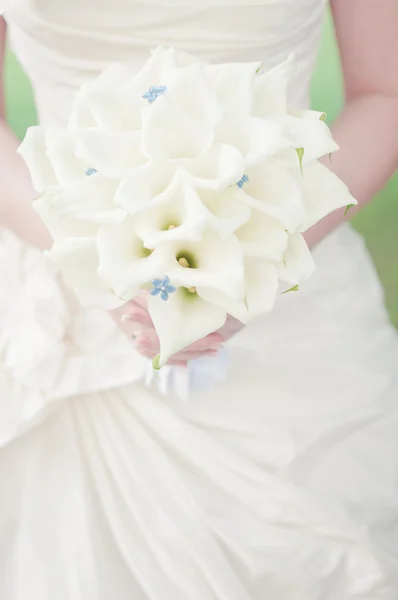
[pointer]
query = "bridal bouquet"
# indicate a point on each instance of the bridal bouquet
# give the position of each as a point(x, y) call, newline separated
point(190, 180)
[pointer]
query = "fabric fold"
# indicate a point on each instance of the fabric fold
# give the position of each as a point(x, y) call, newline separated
point(51, 348)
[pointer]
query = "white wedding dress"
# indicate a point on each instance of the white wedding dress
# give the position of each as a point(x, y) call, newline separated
point(281, 483)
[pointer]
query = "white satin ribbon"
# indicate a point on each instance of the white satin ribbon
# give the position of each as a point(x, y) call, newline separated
point(200, 375)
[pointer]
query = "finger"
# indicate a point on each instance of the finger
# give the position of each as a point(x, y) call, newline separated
point(149, 349)
point(141, 298)
point(137, 314)
point(189, 356)
point(231, 327)
point(151, 342)
point(177, 363)
point(148, 353)
point(147, 338)
point(205, 344)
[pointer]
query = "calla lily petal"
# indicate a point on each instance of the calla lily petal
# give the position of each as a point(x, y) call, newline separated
point(148, 185)
point(90, 200)
point(111, 153)
point(61, 152)
point(323, 192)
point(272, 190)
point(124, 262)
point(182, 320)
point(222, 165)
point(190, 108)
point(308, 114)
point(235, 308)
point(213, 262)
point(77, 258)
point(226, 211)
point(33, 150)
point(92, 106)
point(59, 225)
point(234, 85)
point(271, 91)
point(298, 264)
point(181, 217)
point(256, 139)
point(262, 285)
point(160, 67)
point(311, 134)
point(263, 237)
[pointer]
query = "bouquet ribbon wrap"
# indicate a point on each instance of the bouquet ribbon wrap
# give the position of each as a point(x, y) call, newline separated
point(199, 375)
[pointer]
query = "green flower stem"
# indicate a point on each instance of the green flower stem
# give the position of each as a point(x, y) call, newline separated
point(300, 154)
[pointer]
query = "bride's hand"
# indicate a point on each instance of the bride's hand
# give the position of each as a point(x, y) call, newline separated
point(135, 320)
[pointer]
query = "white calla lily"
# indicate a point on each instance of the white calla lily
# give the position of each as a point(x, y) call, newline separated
point(271, 189)
point(271, 90)
point(183, 319)
point(262, 285)
point(34, 152)
point(110, 103)
point(305, 129)
point(311, 135)
point(308, 114)
point(51, 158)
point(256, 139)
point(61, 152)
point(124, 263)
point(161, 65)
point(114, 100)
point(261, 291)
point(180, 217)
point(236, 308)
point(155, 181)
point(97, 104)
point(298, 264)
point(148, 185)
point(77, 259)
point(226, 211)
point(323, 192)
point(222, 165)
point(234, 85)
point(111, 153)
point(90, 201)
point(58, 224)
point(263, 237)
point(191, 110)
point(215, 262)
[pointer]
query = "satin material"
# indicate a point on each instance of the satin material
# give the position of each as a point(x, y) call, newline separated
point(279, 483)
point(62, 44)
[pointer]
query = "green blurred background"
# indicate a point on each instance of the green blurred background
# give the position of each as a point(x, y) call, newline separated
point(378, 222)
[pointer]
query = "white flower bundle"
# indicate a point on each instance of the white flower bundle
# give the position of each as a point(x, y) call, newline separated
point(191, 180)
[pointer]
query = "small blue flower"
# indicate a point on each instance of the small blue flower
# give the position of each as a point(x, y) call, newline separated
point(162, 287)
point(90, 171)
point(242, 181)
point(154, 92)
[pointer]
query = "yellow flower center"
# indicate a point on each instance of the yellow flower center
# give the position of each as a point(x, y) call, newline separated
point(183, 262)
point(186, 259)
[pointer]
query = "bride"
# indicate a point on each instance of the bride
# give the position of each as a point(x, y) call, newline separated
point(280, 483)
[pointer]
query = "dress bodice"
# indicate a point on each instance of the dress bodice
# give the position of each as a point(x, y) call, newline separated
point(63, 44)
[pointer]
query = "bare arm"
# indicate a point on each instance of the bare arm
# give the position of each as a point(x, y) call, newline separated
point(16, 191)
point(367, 129)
